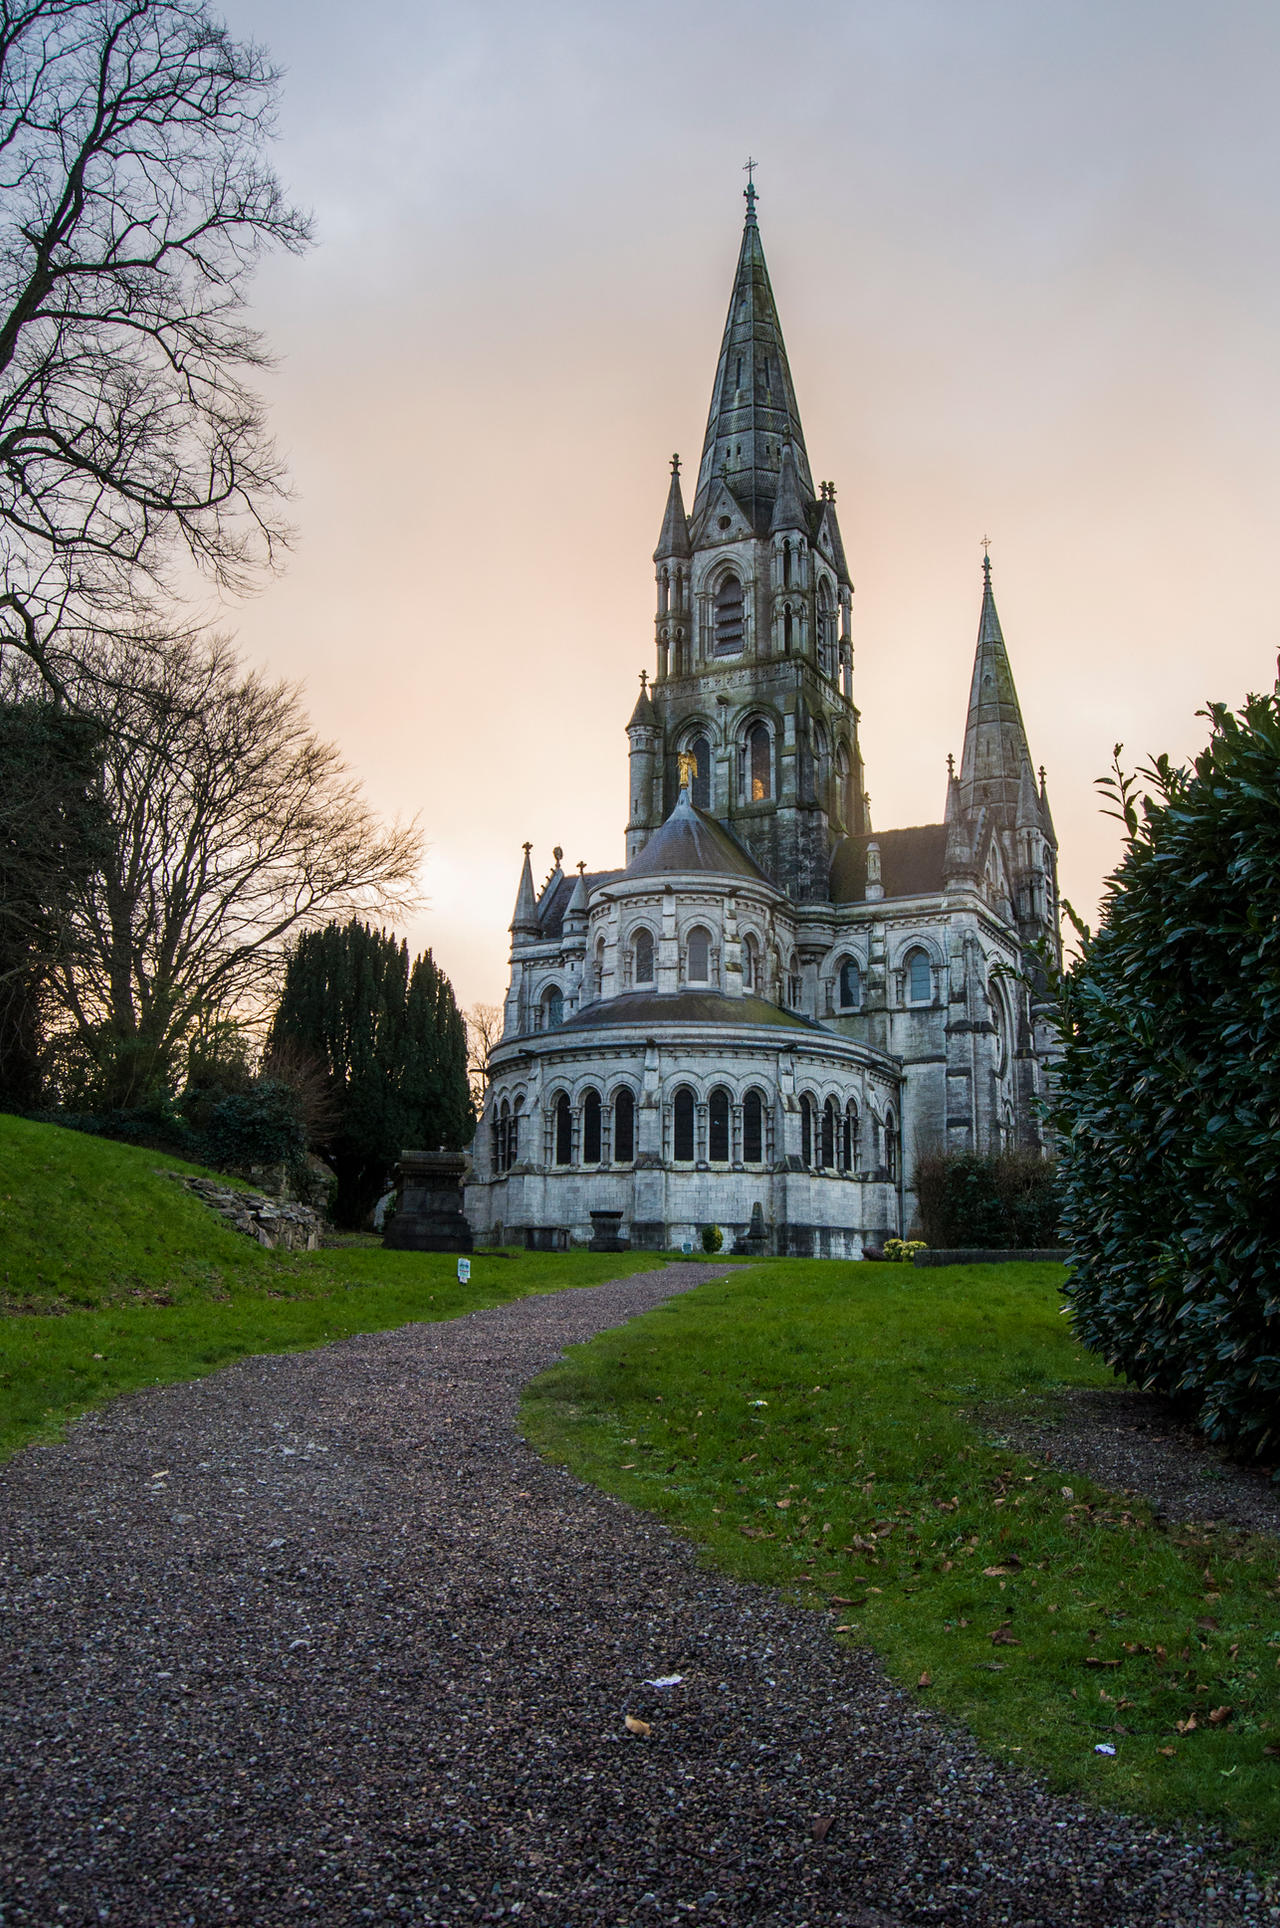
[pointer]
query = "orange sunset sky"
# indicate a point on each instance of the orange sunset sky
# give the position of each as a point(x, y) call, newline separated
point(1028, 267)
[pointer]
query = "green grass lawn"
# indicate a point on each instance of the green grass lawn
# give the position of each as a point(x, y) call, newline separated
point(817, 1425)
point(113, 1277)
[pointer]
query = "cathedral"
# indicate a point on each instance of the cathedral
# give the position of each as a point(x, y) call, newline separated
point(772, 1009)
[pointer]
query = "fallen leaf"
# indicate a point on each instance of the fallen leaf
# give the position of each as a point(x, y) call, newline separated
point(992, 1572)
point(1096, 1660)
point(1003, 1638)
point(1274, 1752)
point(822, 1827)
point(1166, 1750)
point(1067, 1493)
point(846, 1626)
point(1187, 1726)
point(993, 1666)
point(925, 1680)
point(840, 1599)
point(635, 1726)
point(782, 1503)
point(1219, 1716)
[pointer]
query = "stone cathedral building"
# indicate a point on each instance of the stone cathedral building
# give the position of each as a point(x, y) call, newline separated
point(771, 1003)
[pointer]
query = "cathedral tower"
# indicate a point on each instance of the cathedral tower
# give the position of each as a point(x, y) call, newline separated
point(754, 659)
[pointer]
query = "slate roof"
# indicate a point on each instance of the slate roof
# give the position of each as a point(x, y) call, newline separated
point(912, 863)
point(555, 903)
point(690, 840)
point(640, 1009)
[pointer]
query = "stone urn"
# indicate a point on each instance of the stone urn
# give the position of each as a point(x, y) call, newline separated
point(606, 1233)
point(428, 1214)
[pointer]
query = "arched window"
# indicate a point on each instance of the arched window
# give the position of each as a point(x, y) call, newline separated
point(795, 984)
point(718, 1126)
point(599, 968)
point(664, 592)
point(919, 977)
point(591, 1128)
point(682, 1126)
point(891, 1148)
point(851, 1137)
point(700, 788)
point(840, 795)
point(553, 1008)
point(753, 1129)
point(698, 955)
point(624, 1126)
point(501, 1133)
point(786, 565)
point(759, 764)
point(806, 1131)
point(788, 630)
point(644, 956)
point(751, 965)
point(564, 1130)
point(513, 1140)
point(729, 619)
point(849, 990)
point(826, 629)
point(830, 1133)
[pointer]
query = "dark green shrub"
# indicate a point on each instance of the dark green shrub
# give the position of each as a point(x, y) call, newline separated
point(712, 1238)
point(1169, 1090)
point(1006, 1201)
point(260, 1126)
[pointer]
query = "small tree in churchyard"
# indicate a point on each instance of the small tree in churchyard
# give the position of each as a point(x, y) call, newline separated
point(1168, 1103)
point(393, 1044)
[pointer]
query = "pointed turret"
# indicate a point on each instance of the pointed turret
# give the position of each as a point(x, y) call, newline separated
point(575, 915)
point(788, 508)
point(674, 544)
point(995, 742)
point(525, 921)
point(1046, 815)
point(1028, 817)
point(643, 716)
point(753, 415)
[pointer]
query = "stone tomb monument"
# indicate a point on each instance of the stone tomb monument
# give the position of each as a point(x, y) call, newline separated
point(428, 1213)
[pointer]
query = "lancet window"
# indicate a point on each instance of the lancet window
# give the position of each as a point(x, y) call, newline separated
point(729, 616)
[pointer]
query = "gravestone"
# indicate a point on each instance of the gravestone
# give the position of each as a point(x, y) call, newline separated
point(428, 1214)
point(606, 1233)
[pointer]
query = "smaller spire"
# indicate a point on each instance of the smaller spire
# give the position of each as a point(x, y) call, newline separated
point(674, 544)
point(1028, 817)
point(788, 509)
point(577, 905)
point(525, 921)
point(643, 716)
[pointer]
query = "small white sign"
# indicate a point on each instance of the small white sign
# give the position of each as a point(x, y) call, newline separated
point(464, 1271)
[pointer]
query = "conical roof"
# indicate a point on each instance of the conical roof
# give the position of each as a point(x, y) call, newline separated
point(643, 716)
point(689, 840)
point(674, 543)
point(753, 412)
point(995, 741)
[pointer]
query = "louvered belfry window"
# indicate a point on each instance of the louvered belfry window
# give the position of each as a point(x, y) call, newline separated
point(729, 618)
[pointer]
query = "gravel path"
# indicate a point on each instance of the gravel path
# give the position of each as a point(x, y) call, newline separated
point(1133, 1443)
point(318, 1639)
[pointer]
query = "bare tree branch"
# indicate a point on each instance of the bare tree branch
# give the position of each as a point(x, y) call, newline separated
point(234, 826)
point(135, 201)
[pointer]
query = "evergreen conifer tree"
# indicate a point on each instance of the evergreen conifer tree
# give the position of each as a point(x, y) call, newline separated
point(393, 1045)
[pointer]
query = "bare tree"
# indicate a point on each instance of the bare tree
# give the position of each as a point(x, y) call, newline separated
point(134, 202)
point(233, 827)
point(484, 1032)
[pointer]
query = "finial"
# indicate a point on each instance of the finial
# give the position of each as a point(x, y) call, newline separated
point(581, 866)
point(1042, 778)
point(831, 492)
point(749, 191)
point(951, 765)
point(986, 560)
point(557, 853)
point(644, 679)
point(528, 847)
point(675, 465)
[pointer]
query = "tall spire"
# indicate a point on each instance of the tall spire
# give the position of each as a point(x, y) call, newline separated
point(753, 413)
point(995, 742)
point(673, 543)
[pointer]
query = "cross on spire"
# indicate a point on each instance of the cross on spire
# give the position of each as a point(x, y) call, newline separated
point(749, 169)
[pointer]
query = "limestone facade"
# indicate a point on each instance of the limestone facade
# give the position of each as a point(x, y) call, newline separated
point(771, 1003)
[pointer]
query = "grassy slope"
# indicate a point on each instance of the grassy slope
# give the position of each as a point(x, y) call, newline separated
point(112, 1277)
point(811, 1423)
